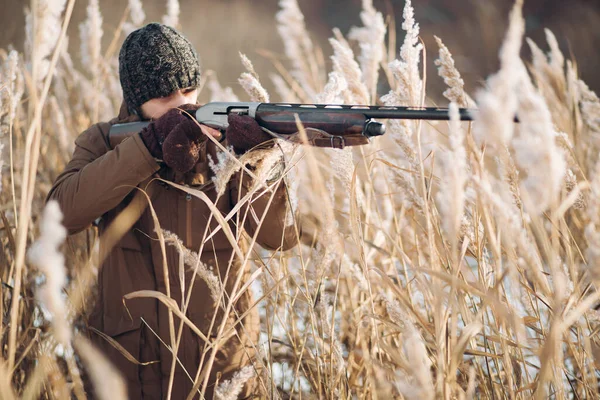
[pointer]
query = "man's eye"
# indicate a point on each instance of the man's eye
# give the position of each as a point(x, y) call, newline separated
point(189, 90)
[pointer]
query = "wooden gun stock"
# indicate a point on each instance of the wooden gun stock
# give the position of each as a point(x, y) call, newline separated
point(120, 132)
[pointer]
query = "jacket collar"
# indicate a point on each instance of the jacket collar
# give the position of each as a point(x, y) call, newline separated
point(126, 116)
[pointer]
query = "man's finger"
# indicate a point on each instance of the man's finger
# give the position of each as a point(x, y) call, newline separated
point(207, 130)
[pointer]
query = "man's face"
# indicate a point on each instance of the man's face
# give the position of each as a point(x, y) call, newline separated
point(155, 108)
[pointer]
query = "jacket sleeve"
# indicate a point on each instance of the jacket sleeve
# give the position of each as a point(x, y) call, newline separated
point(97, 178)
point(273, 233)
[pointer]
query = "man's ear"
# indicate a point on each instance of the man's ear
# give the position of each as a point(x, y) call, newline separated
point(141, 115)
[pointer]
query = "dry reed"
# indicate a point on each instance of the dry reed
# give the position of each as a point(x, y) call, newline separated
point(443, 260)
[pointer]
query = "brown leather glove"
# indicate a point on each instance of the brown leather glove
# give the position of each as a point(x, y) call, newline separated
point(244, 133)
point(175, 138)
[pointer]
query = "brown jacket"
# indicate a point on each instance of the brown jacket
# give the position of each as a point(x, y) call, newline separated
point(99, 182)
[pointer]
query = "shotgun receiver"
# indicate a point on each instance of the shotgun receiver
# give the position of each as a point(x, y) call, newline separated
point(327, 125)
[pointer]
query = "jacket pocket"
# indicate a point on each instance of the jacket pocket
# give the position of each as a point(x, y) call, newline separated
point(130, 242)
point(121, 344)
point(127, 271)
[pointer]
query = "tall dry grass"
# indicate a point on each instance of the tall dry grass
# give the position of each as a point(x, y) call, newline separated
point(443, 260)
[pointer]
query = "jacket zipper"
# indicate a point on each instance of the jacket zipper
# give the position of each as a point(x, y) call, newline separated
point(188, 220)
point(188, 244)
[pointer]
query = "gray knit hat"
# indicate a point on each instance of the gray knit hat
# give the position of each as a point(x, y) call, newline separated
point(154, 61)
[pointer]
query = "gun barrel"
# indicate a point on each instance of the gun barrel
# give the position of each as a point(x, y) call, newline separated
point(425, 113)
point(383, 112)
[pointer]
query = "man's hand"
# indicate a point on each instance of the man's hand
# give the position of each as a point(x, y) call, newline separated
point(181, 149)
point(244, 133)
point(176, 138)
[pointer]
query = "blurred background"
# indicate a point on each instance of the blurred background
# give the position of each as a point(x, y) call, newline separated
point(472, 29)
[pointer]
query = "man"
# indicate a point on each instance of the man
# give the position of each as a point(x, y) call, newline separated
point(159, 71)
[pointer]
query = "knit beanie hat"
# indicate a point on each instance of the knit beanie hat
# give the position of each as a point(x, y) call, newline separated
point(154, 61)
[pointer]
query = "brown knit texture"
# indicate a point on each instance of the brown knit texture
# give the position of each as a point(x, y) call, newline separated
point(155, 134)
point(244, 133)
point(175, 138)
point(181, 149)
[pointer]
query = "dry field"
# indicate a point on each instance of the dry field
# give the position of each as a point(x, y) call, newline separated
point(444, 260)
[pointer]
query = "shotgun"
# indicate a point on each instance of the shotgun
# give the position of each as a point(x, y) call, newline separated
point(327, 125)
